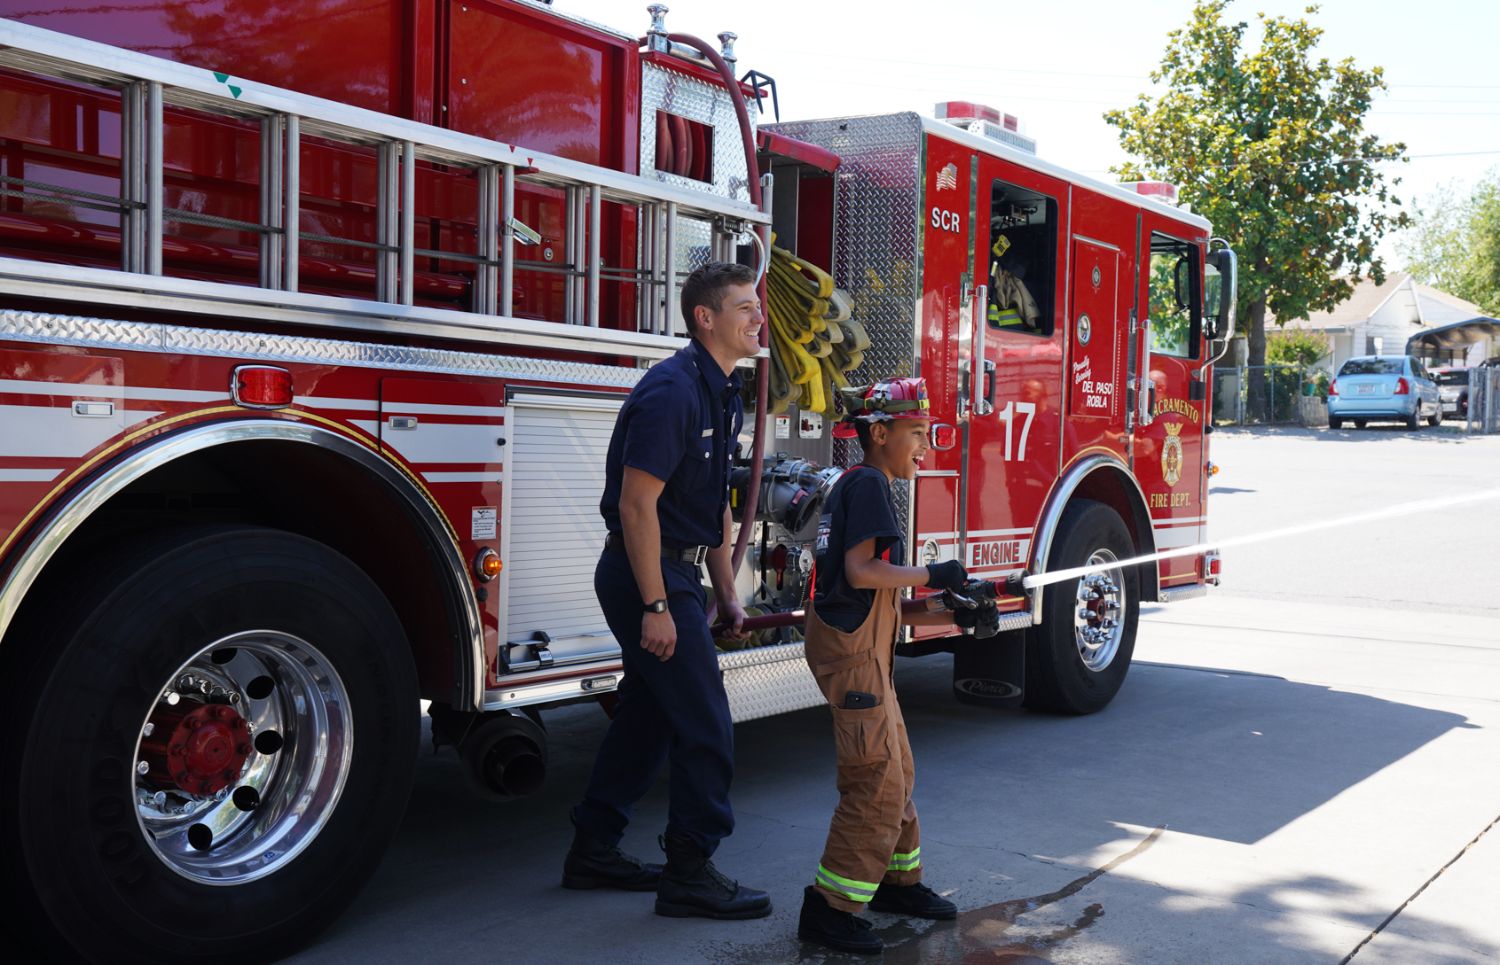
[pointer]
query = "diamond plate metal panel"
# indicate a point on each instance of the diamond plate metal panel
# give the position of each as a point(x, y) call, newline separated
point(877, 253)
point(96, 333)
point(697, 100)
point(877, 250)
point(767, 681)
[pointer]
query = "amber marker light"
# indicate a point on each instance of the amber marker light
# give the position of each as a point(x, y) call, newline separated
point(487, 565)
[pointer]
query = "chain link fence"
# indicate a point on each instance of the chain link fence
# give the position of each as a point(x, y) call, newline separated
point(1484, 399)
point(1287, 397)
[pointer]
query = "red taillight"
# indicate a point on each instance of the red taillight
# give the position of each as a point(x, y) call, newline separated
point(1401, 387)
point(261, 387)
point(1333, 387)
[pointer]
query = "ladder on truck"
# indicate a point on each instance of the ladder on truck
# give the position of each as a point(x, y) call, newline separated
point(147, 85)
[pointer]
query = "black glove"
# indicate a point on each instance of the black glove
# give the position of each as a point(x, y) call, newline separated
point(984, 620)
point(947, 575)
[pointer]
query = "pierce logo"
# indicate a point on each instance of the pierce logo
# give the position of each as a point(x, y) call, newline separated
point(947, 178)
point(987, 688)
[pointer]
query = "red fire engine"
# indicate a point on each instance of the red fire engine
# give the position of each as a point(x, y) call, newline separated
point(305, 391)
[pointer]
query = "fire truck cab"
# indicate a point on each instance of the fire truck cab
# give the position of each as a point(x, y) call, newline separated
point(313, 330)
point(1065, 328)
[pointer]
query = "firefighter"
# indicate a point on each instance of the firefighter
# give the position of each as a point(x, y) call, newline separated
point(666, 507)
point(1011, 305)
point(873, 855)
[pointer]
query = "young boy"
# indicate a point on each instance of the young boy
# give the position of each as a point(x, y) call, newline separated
point(873, 855)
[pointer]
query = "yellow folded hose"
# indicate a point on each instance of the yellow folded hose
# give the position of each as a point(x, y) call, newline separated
point(814, 342)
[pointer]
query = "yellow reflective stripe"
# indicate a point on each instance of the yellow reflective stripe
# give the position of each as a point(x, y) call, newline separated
point(908, 861)
point(861, 891)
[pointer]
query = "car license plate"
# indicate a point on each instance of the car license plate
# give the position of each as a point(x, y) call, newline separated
point(1367, 390)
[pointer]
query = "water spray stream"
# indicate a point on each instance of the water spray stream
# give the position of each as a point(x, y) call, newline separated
point(1401, 509)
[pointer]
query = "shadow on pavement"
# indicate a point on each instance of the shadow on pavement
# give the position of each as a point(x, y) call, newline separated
point(1448, 432)
point(1005, 797)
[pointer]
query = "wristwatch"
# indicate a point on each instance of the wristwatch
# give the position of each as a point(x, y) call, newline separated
point(655, 606)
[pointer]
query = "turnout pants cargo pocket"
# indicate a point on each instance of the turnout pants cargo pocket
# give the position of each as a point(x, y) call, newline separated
point(874, 835)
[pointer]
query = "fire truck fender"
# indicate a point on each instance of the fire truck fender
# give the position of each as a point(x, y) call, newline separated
point(77, 508)
point(1103, 477)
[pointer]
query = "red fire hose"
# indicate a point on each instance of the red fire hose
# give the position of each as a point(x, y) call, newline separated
point(762, 367)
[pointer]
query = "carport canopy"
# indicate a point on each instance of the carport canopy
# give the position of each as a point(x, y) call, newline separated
point(1454, 337)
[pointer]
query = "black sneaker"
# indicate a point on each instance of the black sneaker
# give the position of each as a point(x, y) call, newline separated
point(590, 864)
point(825, 925)
point(915, 901)
point(691, 887)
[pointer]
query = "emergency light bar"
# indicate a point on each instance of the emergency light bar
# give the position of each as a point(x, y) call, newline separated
point(1163, 191)
point(985, 121)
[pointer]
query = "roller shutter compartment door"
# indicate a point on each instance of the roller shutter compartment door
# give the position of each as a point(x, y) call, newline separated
point(555, 476)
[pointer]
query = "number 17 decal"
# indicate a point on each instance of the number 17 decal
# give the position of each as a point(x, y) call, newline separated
point(1009, 414)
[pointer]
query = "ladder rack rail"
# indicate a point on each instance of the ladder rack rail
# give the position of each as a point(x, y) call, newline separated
point(149, 85)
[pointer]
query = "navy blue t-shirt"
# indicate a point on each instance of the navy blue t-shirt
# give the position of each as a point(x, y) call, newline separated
point(680, 425)
point(859, 508)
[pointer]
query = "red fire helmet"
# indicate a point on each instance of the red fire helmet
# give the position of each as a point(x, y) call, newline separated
point(884, 401)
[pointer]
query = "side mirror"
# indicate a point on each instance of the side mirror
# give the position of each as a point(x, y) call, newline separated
point(1219, 307)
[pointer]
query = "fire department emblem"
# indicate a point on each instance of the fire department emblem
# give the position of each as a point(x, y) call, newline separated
point(947, 178)
point(1171, 454)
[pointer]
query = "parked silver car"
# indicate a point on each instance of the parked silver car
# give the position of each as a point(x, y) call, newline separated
point(1385, 388)
point(1453, 389)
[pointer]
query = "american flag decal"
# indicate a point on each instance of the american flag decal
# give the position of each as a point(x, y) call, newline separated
point(947, 179)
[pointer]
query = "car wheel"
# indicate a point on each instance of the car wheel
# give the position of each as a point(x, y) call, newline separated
point(217, 750)
point(1077, 658)
point(1359, 423)
point(1334, 422)
point(1436, 418)
point(1414, 421)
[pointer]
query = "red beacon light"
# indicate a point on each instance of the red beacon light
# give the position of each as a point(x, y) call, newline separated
point(985, 121)
point(261, 387)
point(1163, 191)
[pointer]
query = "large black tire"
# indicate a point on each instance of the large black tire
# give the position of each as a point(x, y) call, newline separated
point(1436, 418)
point(1335, 422)
point(80, 862)
point(1058, 678)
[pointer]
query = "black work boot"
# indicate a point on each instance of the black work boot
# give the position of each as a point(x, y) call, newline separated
point(691, 887)
point(590, 864)
point(916, 901)
point(825, 925)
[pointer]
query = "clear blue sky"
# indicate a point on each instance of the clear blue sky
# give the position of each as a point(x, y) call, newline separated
point(1059, 65)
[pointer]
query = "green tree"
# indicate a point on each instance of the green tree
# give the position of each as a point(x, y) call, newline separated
point(1454, 244)
point(1295, 346)
point(1270, 146)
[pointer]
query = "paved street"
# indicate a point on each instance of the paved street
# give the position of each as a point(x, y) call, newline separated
point(1290, 765)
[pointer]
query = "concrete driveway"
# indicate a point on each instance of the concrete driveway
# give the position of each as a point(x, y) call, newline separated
point(1300, 768)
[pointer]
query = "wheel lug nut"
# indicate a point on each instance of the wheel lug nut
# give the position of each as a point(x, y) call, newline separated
point(171, 698)
point(148, 729)
point(142, 767)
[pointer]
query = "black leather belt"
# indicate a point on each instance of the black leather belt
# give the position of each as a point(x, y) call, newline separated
point(687, 554)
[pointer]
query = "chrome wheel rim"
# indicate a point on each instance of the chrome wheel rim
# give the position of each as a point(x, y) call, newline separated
point(1099, 613)
point(284, 743)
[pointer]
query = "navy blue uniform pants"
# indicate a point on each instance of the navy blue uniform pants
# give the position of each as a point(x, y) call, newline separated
point(673, 710)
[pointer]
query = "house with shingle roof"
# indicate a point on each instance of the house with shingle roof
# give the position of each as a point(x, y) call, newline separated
point(1378, 319)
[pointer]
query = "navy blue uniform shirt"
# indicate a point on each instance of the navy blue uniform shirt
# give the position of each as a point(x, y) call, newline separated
point(680, 425)
point(859, 508)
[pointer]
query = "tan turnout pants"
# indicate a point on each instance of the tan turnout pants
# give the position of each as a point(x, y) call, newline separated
point(874, 835)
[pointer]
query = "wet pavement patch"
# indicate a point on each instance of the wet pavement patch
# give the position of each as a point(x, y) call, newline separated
point(981, 935)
